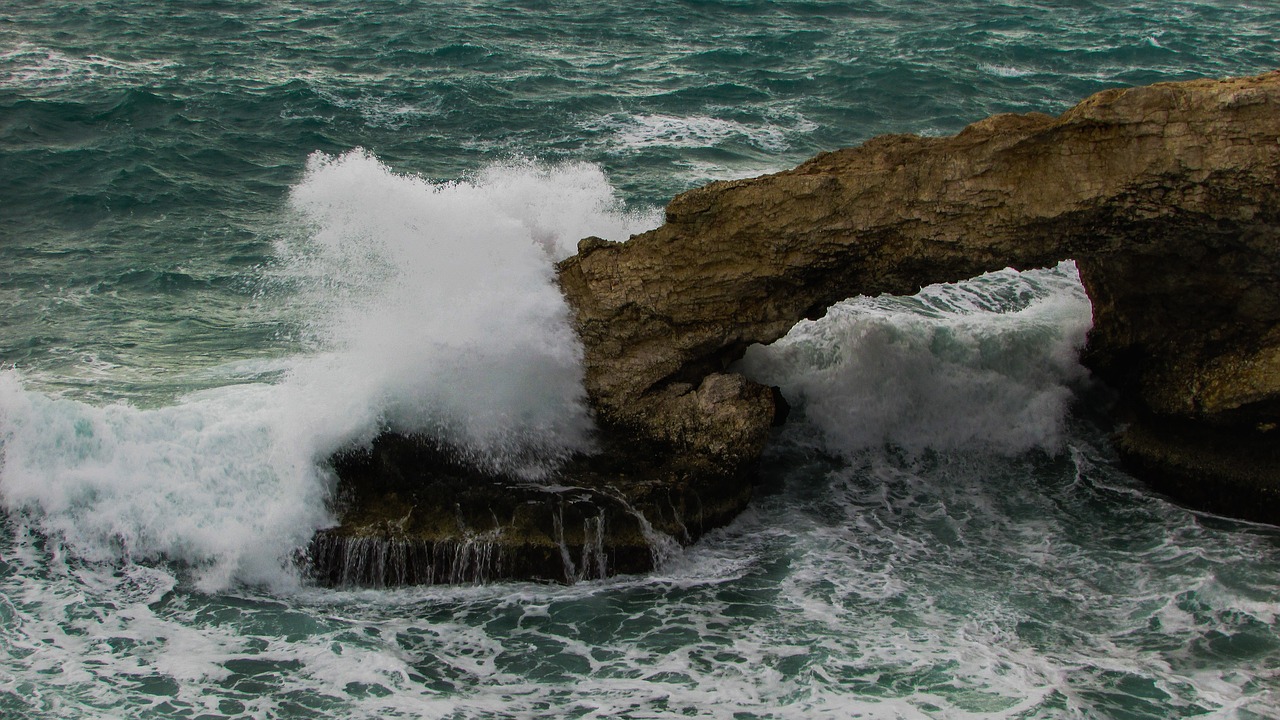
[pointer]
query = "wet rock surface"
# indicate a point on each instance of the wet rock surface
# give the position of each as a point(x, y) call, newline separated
point(412, 513)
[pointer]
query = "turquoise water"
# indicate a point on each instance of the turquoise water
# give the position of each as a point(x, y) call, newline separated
point(235, 236)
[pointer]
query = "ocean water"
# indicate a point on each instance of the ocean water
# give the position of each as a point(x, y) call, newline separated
point(237, 236)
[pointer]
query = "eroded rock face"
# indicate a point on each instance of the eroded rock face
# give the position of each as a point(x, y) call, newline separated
point(1168, 196)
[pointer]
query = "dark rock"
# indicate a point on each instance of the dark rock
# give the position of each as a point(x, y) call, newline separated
point(1229, 471)
point(412, 512)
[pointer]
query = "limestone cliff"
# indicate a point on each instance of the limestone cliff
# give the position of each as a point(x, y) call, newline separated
point(1168, 197)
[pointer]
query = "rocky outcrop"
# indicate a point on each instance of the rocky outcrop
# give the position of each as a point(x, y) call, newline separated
point(1168, 197)
point(413, 512)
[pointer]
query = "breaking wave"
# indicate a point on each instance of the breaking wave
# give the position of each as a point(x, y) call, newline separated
point(427, 307)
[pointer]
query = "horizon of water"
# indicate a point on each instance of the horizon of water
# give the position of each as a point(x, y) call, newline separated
point(236, 237)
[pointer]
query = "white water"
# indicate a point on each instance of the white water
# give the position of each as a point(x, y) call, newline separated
point(429, 307)
point(632, 133)
point(984, 364)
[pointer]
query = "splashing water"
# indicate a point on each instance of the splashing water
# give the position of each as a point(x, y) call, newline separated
point(439, 304)
point(428, 307)
point(988, 363)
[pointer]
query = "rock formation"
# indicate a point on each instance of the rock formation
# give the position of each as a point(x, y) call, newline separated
point(1168, 198)
point(412, 512)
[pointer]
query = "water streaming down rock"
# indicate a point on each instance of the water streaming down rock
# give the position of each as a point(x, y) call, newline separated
point(593, 563)
point(380, 562)
point(617, 511)
point(557, 520)
point(662, 546)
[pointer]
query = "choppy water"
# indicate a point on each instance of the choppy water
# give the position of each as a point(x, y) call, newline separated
point(235, 236)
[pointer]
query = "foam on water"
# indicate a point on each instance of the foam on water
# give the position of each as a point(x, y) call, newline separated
point(630, 133)
point(430, 307)
point(1007, 71)
point(28, 66)
point(377, 112)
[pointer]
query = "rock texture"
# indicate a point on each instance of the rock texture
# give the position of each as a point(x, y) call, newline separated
point(1168, 197)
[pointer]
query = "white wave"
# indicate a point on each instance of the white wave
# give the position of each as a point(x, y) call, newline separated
point(695, 173)
point(986, 364)
point(437, 304)
point(220, 480)
point(1007, 71)
point(629, 133)
point(31, 66)
point(431, 307)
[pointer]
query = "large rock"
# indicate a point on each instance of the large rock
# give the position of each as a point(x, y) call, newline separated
point(413, 512)
point(1167, 196)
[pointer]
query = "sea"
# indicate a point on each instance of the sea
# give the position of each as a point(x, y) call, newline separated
point(237, 236)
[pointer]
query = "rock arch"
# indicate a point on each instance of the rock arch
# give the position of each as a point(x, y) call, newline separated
point(1167, 196)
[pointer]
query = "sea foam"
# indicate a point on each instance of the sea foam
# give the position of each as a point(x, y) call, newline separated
point(428, 307)
point(631, 133)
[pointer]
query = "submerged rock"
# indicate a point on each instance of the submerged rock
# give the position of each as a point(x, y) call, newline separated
point(1168, 198)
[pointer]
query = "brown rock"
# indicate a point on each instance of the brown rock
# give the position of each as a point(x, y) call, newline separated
point(1168, 196)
